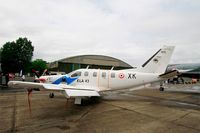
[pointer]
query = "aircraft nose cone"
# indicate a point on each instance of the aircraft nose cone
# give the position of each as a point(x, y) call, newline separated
point(42, 80)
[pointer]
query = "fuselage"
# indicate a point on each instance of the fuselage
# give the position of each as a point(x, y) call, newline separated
point(100, 80)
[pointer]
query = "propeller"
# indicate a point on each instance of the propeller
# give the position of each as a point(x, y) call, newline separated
point(36, 73)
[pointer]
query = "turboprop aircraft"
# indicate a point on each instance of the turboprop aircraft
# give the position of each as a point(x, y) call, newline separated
point(91, 82)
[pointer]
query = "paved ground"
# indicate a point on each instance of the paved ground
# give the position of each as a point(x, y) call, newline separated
point(141, 111)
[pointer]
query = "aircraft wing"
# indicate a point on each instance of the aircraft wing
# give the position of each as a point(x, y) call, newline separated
point(21, 84)
point(71, 91)
point(81, 93)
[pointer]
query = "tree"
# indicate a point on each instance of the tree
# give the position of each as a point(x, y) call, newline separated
point(39, 65)
point(16, 56)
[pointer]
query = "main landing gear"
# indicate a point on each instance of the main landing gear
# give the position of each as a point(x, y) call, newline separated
point(161, 87)
point(51, 95)
point(78, 100)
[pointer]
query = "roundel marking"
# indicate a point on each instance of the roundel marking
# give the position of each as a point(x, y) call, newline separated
point(121, 75)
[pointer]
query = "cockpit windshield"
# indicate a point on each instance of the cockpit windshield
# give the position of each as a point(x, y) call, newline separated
point(77, 73)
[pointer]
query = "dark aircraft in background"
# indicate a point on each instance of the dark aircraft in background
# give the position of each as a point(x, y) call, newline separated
point(190, 70)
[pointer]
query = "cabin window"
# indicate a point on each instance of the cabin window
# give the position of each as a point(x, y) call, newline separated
point(86, 74)
point(112, 75)
point(94, 74)
point(103, 74)
point(78, 73)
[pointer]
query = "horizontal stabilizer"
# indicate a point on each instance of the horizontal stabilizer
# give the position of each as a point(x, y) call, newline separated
point(169, 74)
point(81, 93)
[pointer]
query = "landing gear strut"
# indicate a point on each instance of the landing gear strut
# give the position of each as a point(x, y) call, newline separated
point(78, 100)
point(161, 87)
point(51, 95)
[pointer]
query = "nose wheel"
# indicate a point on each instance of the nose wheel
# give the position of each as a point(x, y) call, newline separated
point(51, 95)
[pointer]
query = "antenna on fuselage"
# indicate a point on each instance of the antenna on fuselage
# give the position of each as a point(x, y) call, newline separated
point(112, 68)
point(87, 66)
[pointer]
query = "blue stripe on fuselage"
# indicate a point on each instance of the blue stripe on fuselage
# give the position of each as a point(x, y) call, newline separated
point(67, 79)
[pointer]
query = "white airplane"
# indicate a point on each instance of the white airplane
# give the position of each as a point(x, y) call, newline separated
point(91, 82)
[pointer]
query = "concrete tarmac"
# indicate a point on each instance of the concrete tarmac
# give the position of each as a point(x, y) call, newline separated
point(140, 111)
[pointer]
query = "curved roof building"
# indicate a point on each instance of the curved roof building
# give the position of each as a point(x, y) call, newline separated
point(82, 61)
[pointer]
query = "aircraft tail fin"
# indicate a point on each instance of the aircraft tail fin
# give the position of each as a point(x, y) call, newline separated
point(159, 61)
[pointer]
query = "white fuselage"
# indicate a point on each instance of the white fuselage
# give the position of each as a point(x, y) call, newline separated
point(112, 79)
point(101, 80)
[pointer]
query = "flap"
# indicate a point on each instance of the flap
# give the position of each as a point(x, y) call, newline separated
point(79, 93)
point(52, 87)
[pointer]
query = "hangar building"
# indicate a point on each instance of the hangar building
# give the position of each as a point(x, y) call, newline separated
point(82, 61)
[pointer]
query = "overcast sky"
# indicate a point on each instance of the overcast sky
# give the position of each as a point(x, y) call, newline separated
point(131, 30)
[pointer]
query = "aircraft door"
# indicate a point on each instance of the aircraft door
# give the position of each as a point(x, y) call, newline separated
point(103, 79)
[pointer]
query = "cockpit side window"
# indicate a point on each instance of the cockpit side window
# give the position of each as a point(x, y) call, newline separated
point(86, 73)
point(78, 73)
point(112, 75)
point(94, 74)
point(103, 74)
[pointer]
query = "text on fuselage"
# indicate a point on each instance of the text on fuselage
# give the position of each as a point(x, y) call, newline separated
point(83, 80)
point(131, 76)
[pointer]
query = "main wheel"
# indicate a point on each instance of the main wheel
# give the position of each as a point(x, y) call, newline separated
point(51, 95)
point(162, 88)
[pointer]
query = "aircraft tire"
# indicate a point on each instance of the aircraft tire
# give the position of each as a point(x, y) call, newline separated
point(162, 88)
point(51, 95)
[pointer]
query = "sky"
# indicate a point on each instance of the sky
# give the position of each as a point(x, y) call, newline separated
point(130, 30)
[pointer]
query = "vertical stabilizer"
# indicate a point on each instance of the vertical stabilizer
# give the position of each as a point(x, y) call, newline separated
point(159, 61)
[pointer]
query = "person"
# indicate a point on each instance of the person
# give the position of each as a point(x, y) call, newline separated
point(23, 77)
point(7, 78)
